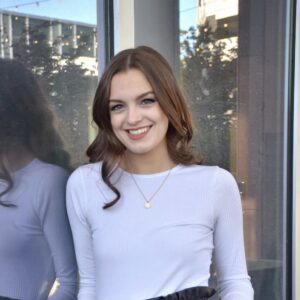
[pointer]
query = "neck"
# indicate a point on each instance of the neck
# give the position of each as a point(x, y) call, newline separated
point(146, 165)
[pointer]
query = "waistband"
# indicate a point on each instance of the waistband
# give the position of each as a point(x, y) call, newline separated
point(194, 293)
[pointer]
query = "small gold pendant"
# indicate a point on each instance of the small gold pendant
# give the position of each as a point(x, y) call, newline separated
point(147, 204)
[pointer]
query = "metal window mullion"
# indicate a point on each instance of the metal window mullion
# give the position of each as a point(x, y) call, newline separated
point(296, 161)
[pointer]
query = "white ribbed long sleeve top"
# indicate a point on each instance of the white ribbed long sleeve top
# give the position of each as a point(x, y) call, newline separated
point(35, 237)
point(128, 252)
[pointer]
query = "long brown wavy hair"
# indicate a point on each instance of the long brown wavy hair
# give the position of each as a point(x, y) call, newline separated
point(26, 119)
point(106, 147)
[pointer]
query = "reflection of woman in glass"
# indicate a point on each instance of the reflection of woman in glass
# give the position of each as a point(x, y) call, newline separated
point(36, 244)
point(163, 214)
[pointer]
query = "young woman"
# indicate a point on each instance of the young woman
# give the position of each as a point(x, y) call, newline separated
point(146, 217)
point(36, 241)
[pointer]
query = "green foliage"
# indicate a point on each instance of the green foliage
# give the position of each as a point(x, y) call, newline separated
point(208, 75)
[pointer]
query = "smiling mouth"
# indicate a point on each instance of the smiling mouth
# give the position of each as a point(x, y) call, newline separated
point(138, 131)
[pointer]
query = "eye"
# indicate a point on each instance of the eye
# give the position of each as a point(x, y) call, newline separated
point(148, 101)
point(116, 107)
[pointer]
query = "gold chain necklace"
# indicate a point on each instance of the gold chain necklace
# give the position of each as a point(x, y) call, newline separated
point(147, 203)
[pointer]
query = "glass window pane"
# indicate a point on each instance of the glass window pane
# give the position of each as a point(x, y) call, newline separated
point(57, 41)
point(48, 77)
point(232, 69)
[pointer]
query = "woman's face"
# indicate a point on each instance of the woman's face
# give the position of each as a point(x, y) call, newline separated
point(136, 116)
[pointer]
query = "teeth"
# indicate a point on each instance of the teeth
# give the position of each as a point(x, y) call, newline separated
point(138, 131)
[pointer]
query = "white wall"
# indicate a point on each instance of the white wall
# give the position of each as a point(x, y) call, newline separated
point(148, 22)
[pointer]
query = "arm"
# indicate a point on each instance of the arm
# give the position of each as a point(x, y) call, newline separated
point(56, 228)
point(76, 197)
point(233, 280)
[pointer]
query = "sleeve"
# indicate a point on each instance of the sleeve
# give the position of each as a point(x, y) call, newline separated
point(229, 253)
point(56, 228)
point(82, 236)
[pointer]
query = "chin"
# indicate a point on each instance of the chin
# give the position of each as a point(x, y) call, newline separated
point(137, 151)
point(140, 149)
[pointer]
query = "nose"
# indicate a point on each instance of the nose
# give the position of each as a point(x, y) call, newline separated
point(134, 115)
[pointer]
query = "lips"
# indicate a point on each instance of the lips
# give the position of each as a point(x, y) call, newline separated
point(138, 133)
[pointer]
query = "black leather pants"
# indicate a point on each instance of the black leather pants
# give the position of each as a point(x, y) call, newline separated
point(194, 293)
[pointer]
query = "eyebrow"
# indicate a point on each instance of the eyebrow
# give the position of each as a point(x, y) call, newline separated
point(137, 98)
